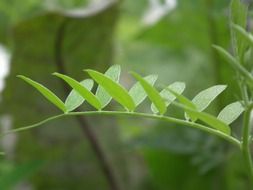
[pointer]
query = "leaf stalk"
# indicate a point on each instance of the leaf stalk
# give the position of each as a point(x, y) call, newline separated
point(204, 128)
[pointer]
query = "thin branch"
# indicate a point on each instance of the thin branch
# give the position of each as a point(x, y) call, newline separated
point(207, 129)
point(246, 142)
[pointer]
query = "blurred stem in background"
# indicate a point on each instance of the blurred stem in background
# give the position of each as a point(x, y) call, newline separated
point(100, 153)
point(246, 141)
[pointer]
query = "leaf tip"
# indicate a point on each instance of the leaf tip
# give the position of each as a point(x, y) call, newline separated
point(56, 74)
point(233, 24)
point(21, 76)
point(224, 86)
point(215, 46)
point(87, 70)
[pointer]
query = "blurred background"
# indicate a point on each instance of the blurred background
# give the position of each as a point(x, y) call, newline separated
point(171, 38)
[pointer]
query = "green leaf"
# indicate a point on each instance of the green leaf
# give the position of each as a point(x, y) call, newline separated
point(119, 93)
point(74, 99)
point(207, 118)
point(113, 73)
point(186, 102)
point(45, 92)
point(248, 37)
point(231, 112)
point(138, 93)
point(152, 93)
point(84, 92)
point(168, 96)
point(239, 12)
point(234, 63)
point(212, 121)
point(205, 97)
point(238, 15)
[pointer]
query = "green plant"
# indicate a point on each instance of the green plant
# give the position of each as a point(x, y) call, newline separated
point(109, 88)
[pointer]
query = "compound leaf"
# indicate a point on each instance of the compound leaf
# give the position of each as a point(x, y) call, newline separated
point(74, 99)
point(48, 94)
point(119, 93)
point(84, 92)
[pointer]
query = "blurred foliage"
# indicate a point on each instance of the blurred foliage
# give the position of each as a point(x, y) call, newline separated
point(11, 175)
point(14, 11)
point(146, 154)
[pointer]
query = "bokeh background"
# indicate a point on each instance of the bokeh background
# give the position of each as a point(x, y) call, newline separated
point(171, 38)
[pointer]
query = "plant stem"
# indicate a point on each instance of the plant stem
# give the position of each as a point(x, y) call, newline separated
point(96, 146)
point(207, 129)
point(245, 146)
